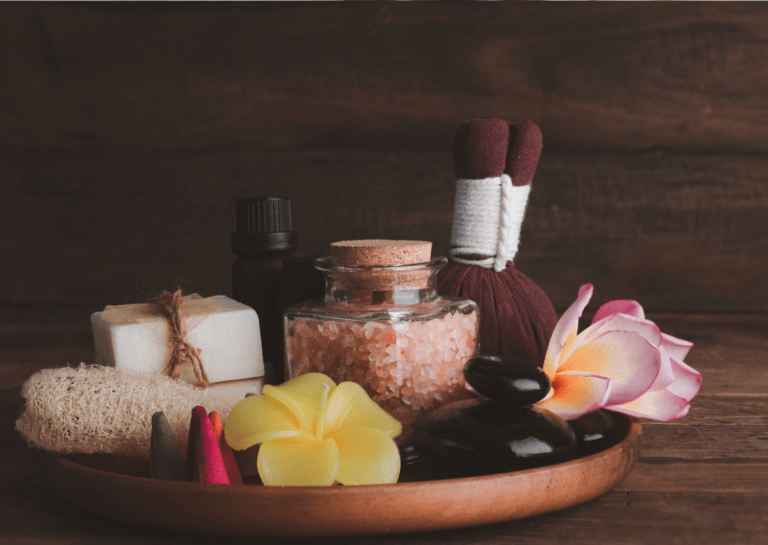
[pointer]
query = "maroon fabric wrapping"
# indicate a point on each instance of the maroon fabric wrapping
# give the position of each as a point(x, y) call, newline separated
point(480, 149)
point(524, 151)
point(516, 316)
point(487, 148)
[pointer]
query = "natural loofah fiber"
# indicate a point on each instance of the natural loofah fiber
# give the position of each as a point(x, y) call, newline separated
point(92, 409)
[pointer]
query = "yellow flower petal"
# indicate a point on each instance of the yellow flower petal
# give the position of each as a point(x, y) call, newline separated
point(349, 405)
point(302, 396)
point(366, 456)
point(287, 462)
point(259, 418)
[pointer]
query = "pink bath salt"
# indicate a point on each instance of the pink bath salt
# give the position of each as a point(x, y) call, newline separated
point(409, 368)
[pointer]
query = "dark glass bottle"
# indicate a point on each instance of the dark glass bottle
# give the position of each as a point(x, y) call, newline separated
point(300, 281)
point(263, 239)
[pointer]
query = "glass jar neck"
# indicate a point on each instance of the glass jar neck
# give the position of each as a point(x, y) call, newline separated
point(378, 297)
point(390, 284)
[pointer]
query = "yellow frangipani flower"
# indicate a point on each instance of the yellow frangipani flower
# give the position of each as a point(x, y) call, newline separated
point(314, 433)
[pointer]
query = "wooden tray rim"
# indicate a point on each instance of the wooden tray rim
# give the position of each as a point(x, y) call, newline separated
point(64, 473)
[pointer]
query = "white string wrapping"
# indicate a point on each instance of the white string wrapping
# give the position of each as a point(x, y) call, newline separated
point(487, 218)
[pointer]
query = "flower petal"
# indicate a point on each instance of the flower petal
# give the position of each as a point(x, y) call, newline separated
point(259, 418)
point(619, 306)
point(349, 405)
point(571, 343)
point(616, 322)
point(675, 347)
point(624, 322)
point(576, 394)
point(666, 376)
point(366, 456)
point(630, 361)
point(660, 405)
point(301, 396)
point(687, 380)
point(566, 326)
point(288, 462)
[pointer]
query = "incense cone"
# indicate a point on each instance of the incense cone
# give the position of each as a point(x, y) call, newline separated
point(204, 459)
point(194, 430)
point(165, 461)
point(226, 452)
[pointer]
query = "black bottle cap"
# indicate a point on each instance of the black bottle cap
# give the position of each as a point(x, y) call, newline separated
point(263, 226)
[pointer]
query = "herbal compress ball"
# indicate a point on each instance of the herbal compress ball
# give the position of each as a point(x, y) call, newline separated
point(494, 162)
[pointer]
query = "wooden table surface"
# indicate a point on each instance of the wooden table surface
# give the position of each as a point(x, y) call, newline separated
point(702, 479)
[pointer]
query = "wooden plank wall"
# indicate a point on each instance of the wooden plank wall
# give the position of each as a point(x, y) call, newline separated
point(127, 131)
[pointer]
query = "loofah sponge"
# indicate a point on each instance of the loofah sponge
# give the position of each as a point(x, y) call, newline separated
point(92, 409)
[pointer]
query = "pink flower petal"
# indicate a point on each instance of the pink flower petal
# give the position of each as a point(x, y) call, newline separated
point(576, 394)
point(660, 405)
point(617, 322)
point(567, 324)
point(626, 358)
point(619, 306)
point(666, 374)
point(687, 381)
point(675, 347)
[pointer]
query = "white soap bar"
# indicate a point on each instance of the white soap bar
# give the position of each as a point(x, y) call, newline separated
point(228, 340)
point(228, 394)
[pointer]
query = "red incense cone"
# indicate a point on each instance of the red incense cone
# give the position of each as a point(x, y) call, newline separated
point(204, 458)
point(226, 452)
point(494, 162)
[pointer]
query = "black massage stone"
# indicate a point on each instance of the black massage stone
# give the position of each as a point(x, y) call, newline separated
point(594, 431)
point(505, 379)
point(482, 437)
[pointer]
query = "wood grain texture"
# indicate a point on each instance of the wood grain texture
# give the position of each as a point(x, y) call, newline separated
point(678, 232)
point(701, 479)
point(383, 76)
point(700, 442)
point(619, 517)
point(709, 503)
point(671, 475)
point(726, 410)
point(127, 131)
point(729, 350)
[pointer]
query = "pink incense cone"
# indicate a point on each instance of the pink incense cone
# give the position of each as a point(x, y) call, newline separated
point(495, 162)
point(226, 452)
point(205, 456)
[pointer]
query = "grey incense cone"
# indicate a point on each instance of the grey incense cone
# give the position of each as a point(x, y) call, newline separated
point(165, 461)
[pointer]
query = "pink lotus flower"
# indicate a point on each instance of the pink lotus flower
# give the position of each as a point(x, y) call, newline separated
point(621, 362)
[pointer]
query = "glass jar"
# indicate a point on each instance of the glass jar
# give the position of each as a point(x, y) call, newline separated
point(387, 329)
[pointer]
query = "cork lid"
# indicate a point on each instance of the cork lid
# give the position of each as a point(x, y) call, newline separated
point(385, 258)
point(377, 252)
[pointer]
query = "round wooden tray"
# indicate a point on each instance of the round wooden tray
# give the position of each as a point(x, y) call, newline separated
point(252, 510)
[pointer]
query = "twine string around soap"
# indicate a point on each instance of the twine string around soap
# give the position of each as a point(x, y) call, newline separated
point(171, 307)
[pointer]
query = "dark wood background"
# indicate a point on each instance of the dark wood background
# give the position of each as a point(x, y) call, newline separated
point(127, 132)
